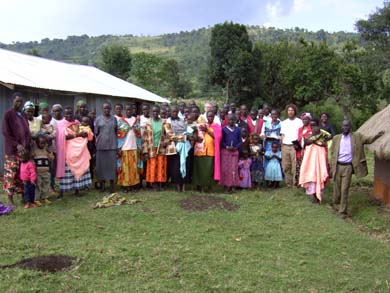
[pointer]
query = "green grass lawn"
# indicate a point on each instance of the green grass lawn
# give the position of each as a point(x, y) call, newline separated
point(275, 241)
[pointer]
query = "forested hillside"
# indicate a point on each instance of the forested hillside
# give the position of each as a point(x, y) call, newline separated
point(190, 49)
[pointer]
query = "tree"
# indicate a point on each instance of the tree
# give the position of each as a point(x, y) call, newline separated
point(357, 82)
point(231, 62)
point(116, 60)
point(376, 29)
point(146, 71)
point(33, 52)
point(175, 84)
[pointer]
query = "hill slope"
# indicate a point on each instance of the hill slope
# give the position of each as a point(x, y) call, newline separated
point(190, 49)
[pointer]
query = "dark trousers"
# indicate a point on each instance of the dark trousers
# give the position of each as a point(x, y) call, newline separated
point(29, 192)
point(52, 170)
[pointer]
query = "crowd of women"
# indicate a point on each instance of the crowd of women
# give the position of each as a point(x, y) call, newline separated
point(133, 146)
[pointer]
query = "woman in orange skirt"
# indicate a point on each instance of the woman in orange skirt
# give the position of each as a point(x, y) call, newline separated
point(157, 134)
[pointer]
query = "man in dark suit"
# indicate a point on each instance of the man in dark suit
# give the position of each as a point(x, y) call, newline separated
point(347, 158)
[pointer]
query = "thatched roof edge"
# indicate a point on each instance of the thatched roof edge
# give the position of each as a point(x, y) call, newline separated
point(378, 122)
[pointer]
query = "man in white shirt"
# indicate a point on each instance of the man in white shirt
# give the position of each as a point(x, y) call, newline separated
point(289, 132)
point(208, 106)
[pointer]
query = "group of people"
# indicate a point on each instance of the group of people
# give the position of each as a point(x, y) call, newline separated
point(236, 147)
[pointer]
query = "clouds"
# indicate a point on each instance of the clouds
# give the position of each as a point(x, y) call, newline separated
point(25, 20)
point(330, 15)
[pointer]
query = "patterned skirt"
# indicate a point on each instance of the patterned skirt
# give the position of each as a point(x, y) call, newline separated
point(128, 174)
point(68, 182)
point(156, 169)
point(229, 168)
point(12, 183)
point(257, 170)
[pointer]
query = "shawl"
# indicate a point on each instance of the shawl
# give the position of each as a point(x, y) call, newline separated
point(60, 145)
point(217, 156)
point(77, 155)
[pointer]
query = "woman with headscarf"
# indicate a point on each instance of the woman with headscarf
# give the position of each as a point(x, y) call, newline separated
point(304, 132)
point(43, 109)
point(17, 138)
point(33, 122)
point(106, 128)
point(314, 168)
point(72, 156)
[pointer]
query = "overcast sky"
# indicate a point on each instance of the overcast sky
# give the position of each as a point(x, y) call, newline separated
point(30, 20)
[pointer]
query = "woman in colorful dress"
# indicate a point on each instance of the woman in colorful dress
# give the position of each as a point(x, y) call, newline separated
point(303, 133)
point(314, 169)
point(17, 138)
point(204, 152)
point(72, 159)
point(128, 176)
point(155, 139)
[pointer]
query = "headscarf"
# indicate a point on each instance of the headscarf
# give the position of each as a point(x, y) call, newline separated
point(81, 102)
point(28, 105)
point(43, 105)
point(56, 106)
point(308, 115)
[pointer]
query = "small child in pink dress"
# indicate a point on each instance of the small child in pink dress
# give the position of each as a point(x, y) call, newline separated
point(244, 169)
point(28, 175)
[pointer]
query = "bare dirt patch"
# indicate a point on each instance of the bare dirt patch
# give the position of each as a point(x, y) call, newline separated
point(49, 263)
point(200, 203)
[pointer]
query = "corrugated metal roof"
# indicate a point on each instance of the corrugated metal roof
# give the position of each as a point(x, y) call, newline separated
point(37, 72)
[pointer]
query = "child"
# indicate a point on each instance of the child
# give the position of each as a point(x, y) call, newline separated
point(29, 177)
point(244, 169)
point(42, 158)
point(245, 139)
point(273, 171)
point(85, 125)
point(48, 131)
point(256, 154)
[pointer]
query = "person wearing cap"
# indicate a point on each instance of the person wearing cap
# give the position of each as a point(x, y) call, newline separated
point(43, 109)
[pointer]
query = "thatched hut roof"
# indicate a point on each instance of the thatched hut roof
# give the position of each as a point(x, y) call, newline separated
point(379, 121)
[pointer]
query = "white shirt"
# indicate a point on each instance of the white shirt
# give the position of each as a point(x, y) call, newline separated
point(290, 130)
point(216, 119)
point(267, 118)
point(130, 140)
point(181, 115)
